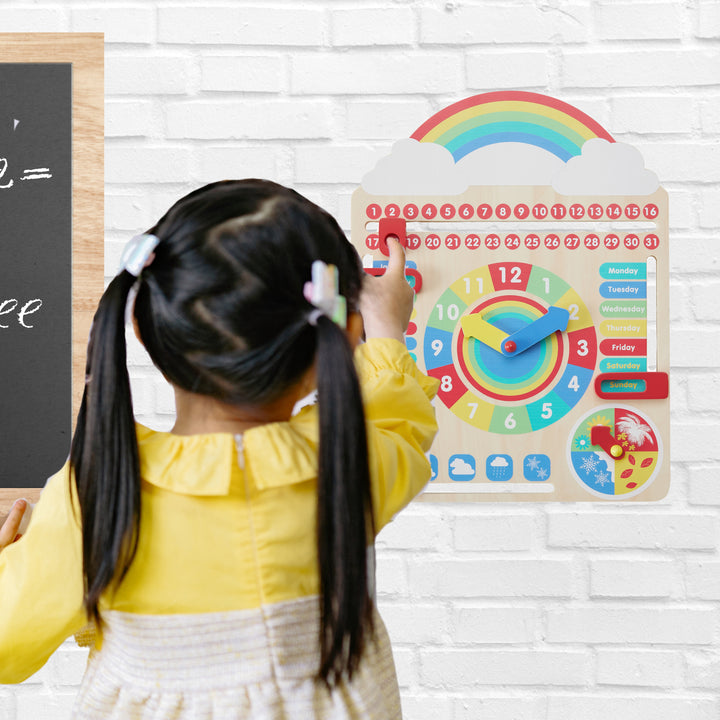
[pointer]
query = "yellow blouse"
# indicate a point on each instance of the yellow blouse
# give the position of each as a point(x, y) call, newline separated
point(227, 523)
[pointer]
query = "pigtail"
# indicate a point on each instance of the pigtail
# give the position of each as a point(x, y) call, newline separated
point(344, 507)
point(104, 453)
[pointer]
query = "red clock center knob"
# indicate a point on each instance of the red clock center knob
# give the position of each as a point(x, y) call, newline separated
point(510, 346)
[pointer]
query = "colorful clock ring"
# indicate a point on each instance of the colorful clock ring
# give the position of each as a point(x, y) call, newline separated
point(513, 346)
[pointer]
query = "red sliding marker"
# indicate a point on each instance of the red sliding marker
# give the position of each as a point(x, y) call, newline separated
point(646, 385)
point(393, 227)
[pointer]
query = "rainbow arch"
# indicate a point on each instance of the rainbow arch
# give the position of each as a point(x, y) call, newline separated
point(511, 116)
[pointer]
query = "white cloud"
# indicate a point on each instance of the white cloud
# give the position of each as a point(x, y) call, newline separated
point(460, 467)
point(499, 461)
point(509, 163)
point(415, 168)
point(606, 168)
point(603, 168)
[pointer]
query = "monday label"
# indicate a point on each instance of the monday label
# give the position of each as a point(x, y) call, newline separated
point(623, 271)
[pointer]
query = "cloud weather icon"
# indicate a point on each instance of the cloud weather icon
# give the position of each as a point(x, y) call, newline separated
point(461, 467)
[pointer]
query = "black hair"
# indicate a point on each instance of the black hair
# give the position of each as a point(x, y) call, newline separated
point(221, 312)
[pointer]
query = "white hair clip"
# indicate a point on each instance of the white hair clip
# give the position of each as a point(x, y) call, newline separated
point(138, 254)
point(323, 293)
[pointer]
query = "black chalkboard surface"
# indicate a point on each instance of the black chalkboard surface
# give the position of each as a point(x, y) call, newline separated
point(51, 246)
point(35, 271)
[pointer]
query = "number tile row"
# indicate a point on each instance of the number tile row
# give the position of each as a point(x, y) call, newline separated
point(520, 211)
point(532, 241)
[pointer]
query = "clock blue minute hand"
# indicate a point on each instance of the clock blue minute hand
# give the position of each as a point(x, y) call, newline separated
point(556, 318)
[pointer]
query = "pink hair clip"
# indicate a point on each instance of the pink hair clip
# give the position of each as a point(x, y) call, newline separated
point(323, 292)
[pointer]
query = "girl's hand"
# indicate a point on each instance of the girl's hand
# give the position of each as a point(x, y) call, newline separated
point(9, 529)
point(386, 301)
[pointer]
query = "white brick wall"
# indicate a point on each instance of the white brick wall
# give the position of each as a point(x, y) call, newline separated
point(497, 612)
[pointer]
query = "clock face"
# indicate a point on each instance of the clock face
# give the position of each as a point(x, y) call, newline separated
point(502, 364)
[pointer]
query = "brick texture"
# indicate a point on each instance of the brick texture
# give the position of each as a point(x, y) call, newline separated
point(496, 611)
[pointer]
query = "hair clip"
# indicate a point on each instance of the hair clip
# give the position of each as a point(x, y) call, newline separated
point(323, 293)
point(138, 254)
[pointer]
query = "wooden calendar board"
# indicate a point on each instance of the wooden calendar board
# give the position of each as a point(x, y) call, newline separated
point(543, 314)
point(51, 190)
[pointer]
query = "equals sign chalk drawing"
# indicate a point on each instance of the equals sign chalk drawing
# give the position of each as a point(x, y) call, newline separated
point(36, 174)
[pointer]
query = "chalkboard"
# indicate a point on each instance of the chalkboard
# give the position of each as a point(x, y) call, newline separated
point(35, 269)
point(51, 256)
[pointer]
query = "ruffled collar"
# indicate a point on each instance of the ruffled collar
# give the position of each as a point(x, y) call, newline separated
point(272, 455)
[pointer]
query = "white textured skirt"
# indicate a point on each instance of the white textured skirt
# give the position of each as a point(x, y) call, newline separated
point(230, 666)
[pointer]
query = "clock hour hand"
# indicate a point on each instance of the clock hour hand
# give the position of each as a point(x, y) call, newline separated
point(474, 326)
point(556, 318)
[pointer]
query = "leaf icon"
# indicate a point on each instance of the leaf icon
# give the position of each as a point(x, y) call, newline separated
point(647, 462)
point(627, 473)
point(631, 459)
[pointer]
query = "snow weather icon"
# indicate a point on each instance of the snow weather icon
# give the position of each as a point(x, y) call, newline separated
point(536, 468)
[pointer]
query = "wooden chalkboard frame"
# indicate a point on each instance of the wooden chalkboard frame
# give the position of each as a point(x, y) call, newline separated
point(85, 51)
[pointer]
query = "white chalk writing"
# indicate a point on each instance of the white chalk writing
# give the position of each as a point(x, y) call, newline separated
point(39, 173)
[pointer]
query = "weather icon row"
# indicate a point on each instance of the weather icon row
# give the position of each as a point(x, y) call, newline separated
point(498, 468)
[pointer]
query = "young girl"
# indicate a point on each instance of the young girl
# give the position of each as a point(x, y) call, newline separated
point(225, 563)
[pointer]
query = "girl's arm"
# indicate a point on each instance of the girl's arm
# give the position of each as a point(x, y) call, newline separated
point(41, 585)
point(401, 425)
point(401, 420)
point(386, 302)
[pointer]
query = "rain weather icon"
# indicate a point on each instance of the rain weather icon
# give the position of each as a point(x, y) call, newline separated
point(499, 467)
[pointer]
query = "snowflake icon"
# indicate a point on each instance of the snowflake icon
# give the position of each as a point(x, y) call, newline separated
point(589, 464)
point(602, 478)
point(536, 467)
